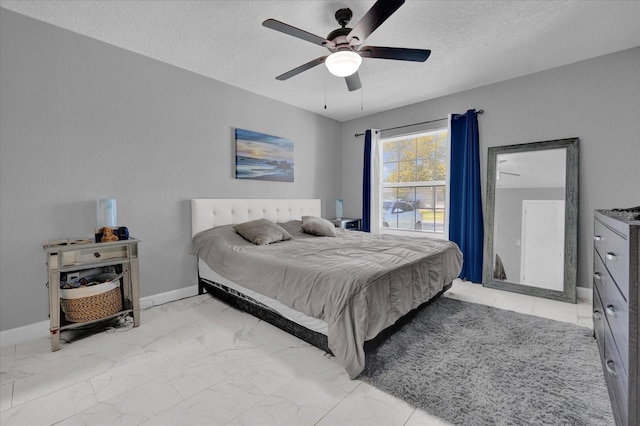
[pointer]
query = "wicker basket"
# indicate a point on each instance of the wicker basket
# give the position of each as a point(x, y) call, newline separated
point(91, 303)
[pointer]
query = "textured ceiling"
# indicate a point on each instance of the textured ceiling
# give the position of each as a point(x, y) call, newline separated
point(473, 43)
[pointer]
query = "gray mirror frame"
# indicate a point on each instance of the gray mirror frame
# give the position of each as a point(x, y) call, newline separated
point(571, 220)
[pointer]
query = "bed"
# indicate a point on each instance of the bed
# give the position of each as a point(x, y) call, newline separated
point(341, 294)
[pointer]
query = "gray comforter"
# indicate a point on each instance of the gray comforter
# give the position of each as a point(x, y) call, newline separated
point(358, 283)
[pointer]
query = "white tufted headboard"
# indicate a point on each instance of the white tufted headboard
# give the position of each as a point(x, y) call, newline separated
point(209, 212)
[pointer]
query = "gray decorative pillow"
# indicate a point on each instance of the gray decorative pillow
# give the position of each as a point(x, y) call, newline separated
point(318, 226)
point(262, 232)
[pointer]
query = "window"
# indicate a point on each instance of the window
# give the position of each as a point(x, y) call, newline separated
point(414, 170)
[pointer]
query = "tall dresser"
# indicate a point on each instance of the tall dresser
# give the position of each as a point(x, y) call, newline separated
point(616, 297)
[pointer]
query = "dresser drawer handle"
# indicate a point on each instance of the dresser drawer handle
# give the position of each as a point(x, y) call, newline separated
point(611, 371)
point(611, 256)
point(610, 311)
point(597, 238)
point(597, 276)
point(96, 254)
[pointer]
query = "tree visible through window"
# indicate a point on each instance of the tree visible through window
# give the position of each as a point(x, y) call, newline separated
point(414, 181)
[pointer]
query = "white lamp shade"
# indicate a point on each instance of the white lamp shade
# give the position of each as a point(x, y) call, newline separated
point(106, 212)
point(343, 63)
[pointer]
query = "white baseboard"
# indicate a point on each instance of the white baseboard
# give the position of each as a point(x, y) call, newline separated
point(584, 293)
point(24, 333)
point(41, 329)
point(169, 296)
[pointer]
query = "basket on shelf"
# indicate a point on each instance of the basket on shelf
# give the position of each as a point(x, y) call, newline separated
point(92, 302)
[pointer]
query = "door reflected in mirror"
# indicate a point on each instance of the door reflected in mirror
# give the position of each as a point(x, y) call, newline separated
point(530, 205)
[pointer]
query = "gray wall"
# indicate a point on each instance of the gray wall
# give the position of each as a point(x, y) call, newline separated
point(81, 120)
point(596, 100)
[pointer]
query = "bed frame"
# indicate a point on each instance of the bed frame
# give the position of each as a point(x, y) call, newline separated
point(207, 213)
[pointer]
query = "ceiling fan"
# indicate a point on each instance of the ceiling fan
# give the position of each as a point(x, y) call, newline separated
point(345, 43)
point(508, 173)
point(500, 172)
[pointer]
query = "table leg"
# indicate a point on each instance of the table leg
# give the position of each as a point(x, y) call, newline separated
point(134, 277)
point(54, 310)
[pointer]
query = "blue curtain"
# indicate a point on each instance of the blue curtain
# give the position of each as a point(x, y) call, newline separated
point(465, 204)
point(366, 184)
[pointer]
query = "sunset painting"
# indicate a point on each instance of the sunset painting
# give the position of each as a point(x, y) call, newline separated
point(263, 157)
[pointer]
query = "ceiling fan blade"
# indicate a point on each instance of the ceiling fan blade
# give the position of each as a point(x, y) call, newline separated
point(378, 13)
point(353, 81)
point(296, 32)
point(301, 68)
point(397, 53)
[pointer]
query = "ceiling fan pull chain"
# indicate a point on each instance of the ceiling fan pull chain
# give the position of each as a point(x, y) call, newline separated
point(361, 99)
point(325, 90)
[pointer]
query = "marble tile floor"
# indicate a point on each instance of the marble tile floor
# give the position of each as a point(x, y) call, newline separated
point(197, 361)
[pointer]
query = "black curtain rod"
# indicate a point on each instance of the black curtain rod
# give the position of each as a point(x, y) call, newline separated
point(480, 112)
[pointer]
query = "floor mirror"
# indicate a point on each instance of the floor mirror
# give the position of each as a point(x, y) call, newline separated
point(531, 220)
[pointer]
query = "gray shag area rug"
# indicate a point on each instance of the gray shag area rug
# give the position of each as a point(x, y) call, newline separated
point(471, 364)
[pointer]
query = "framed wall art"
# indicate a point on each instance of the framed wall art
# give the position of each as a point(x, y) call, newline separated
point(263, 157)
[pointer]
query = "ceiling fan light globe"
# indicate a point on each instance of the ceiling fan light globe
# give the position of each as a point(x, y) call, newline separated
point(343, 63)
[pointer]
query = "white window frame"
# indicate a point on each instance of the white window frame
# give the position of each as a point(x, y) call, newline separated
point(445, 183)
